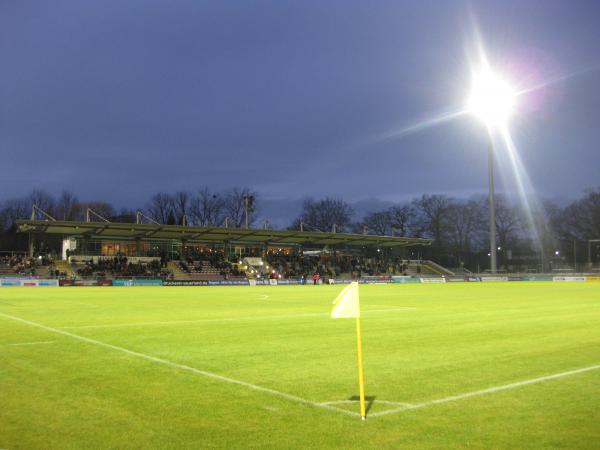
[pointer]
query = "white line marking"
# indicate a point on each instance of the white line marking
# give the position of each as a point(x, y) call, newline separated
point(165, 362)
point(404, 308)
point(383, 402)
point(486, 391)
point(33, 343)
point(263, 297)
point(225, 319)
point(388, 306)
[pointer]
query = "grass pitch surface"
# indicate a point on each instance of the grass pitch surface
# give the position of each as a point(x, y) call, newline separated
point(447, 366)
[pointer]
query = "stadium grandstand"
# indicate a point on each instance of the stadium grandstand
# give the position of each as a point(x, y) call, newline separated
point(105, 250)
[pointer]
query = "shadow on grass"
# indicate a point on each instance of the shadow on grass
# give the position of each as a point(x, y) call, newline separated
point(369, 399)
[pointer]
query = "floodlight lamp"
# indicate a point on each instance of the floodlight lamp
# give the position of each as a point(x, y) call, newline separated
point(492, 99)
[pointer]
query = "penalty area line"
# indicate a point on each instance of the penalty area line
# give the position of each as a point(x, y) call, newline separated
point(227, 319)
point(32, 343)
point(184, 367)
point(487, 391)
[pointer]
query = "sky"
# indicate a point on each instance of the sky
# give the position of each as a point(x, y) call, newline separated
point(118, 100)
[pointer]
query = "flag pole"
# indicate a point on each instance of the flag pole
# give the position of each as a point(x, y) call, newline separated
point(361, 374)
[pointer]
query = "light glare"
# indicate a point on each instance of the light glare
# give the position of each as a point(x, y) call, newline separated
point(492, 99)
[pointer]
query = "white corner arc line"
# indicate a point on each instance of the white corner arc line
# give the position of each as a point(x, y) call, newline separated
point(165, 362)
point(491, 390)
point(383, 402)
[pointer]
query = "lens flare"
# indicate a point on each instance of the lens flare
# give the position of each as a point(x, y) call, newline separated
point(492, 99)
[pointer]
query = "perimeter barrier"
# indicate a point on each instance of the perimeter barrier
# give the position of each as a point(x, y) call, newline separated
point(137, 282)
point(28, 282)
point(34, 282)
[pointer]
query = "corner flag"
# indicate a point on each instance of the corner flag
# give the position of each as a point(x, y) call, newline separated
point(347, 306)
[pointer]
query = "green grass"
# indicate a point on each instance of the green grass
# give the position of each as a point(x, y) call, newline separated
point(459, 338)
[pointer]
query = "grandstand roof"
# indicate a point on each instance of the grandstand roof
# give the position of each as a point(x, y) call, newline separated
point(213, 235)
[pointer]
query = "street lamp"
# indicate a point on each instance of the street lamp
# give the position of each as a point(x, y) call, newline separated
point(491, 100)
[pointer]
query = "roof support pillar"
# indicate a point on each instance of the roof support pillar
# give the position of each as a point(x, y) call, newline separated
point(31, 244)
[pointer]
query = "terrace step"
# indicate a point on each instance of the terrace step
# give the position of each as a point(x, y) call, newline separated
point(64, 266)
point(178, 274)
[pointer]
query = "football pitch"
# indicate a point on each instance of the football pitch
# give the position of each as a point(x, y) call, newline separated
point(462, 365)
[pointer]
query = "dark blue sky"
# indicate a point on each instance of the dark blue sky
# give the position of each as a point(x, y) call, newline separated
point(119, 99)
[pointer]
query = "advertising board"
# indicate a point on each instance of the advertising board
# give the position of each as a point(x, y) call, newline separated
point(569, 279)
point(231, 282)
point(381, 279)
point(290, 281)
point(537, 278)
point(456, 279)
point(433, 280)
point(403, 280)
point(27, 282)
point(494, 278)
point(137, 282)
point(185, 283)
point(85, 283)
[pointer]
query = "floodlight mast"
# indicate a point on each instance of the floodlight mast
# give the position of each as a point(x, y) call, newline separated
point(493, 248)
point(492, 101)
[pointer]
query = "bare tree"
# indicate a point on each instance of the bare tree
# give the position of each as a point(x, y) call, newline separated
point(181, 206)
point(400, 219)
point(43, 200)
point(67, 206)
point(103, 209)
point(12, 210)
point(234, 205)
point(378, 223)
point(465, 227)
point(581, 219)
point(430, 216)
point(323, 214)
point(207, 208)
point(509, 223)
point(125, 216)
point(161, 208)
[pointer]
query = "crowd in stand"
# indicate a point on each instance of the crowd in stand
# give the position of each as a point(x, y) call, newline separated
point(121, 267)
point(22, 265)
point(213, 261)
point(25, 265)
point(297, 266)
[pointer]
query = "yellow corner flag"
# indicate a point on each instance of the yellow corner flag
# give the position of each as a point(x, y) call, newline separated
point(347, 306)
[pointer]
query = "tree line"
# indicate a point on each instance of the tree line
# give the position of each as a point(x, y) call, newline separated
point(545, 237)
point(459, 228)
point(201, 208)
